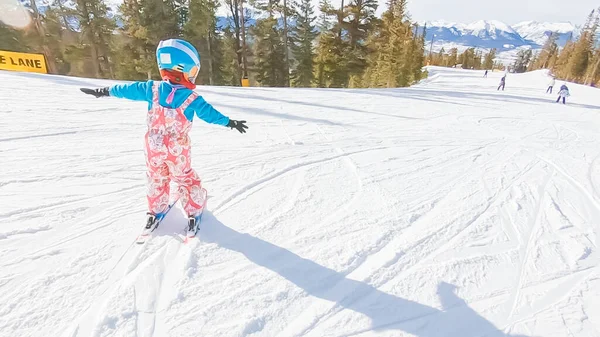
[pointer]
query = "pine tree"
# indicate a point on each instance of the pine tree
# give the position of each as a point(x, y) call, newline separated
point(136, 56)
point(146, 23)
point(324, 25)
point(533, 62)
point(96, 29)
point(303, 36)
point(438, 59)
point(548, 53)
point(359, 16)
point(388, 43)
point(560, 66)
point(522, 61)
point(467, 58)
point(233, 40)
point(452, 58)
point(593, 73)
point(59, 34)
point(269, 49)
point(230, 68)
point(583, 48)
point(11, 39)
point(478, 60)
point(398, 47)
point(201, 30)
point(40, 40)
point(418, 60)
point(594, 64)
point(488, 62)
point(287, 10)
point(330, 52)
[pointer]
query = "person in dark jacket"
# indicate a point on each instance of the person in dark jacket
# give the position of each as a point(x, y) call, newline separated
point(563, 93)
point(502, 83)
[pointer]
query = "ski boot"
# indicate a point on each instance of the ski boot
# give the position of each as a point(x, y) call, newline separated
point(193, 225)
point(194, 219)
point(151, 224)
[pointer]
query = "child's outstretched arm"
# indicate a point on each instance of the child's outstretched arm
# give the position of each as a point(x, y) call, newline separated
point(137, 91)
point(207, 113)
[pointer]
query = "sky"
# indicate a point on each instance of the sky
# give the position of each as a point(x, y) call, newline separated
point(463, 11)
point(507, 11)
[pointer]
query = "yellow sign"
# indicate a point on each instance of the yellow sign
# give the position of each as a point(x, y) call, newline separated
point(34, 63)
point(245, 82)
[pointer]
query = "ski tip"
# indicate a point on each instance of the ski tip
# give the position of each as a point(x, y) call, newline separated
point(141, 239)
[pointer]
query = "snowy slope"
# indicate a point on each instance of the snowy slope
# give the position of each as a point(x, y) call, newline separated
point(446, 209)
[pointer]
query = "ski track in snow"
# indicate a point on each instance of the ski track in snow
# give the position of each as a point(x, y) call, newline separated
point(445, 209)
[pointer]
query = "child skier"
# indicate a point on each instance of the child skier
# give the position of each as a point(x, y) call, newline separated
point(551, 85)
point(563, 93)
point(172, 104)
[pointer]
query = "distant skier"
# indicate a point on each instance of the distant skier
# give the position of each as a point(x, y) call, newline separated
point(172, 104)
point(563, 93)
point(486, 72)
point(502, 83)
point(551, 85)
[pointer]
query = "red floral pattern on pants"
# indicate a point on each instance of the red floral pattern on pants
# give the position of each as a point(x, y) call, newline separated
point(168, 157)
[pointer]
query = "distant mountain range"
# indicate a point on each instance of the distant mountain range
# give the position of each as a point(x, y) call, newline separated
point(488, 34)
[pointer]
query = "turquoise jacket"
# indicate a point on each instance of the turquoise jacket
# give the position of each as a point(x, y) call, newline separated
point(142, 91)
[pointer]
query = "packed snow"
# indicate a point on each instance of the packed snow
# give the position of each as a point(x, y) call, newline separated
point(445, 209)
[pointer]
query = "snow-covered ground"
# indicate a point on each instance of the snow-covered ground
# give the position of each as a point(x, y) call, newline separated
point(446, 209)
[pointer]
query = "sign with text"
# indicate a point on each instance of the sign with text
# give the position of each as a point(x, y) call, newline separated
point(35, 63)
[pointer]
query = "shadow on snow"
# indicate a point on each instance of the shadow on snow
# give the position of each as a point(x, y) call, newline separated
point(386, 311)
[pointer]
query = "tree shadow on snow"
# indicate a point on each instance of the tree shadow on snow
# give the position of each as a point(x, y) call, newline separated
point(247, 95)
point(59, 79)
point(386, 311)
point(289, 116)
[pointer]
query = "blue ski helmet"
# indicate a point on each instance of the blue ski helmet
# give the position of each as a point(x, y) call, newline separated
point(179, 56)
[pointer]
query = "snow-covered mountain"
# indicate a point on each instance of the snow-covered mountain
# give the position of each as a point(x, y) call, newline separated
point(496, 34)
point(488, 34)
point(539, 32)
point(484, 34)
point(491, 30)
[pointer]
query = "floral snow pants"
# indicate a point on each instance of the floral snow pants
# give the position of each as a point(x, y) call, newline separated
point(168, 157)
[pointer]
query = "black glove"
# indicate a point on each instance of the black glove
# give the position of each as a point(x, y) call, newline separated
point(96, 92)
point(238, 125)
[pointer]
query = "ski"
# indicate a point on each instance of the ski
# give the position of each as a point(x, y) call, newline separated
point(147, 232)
